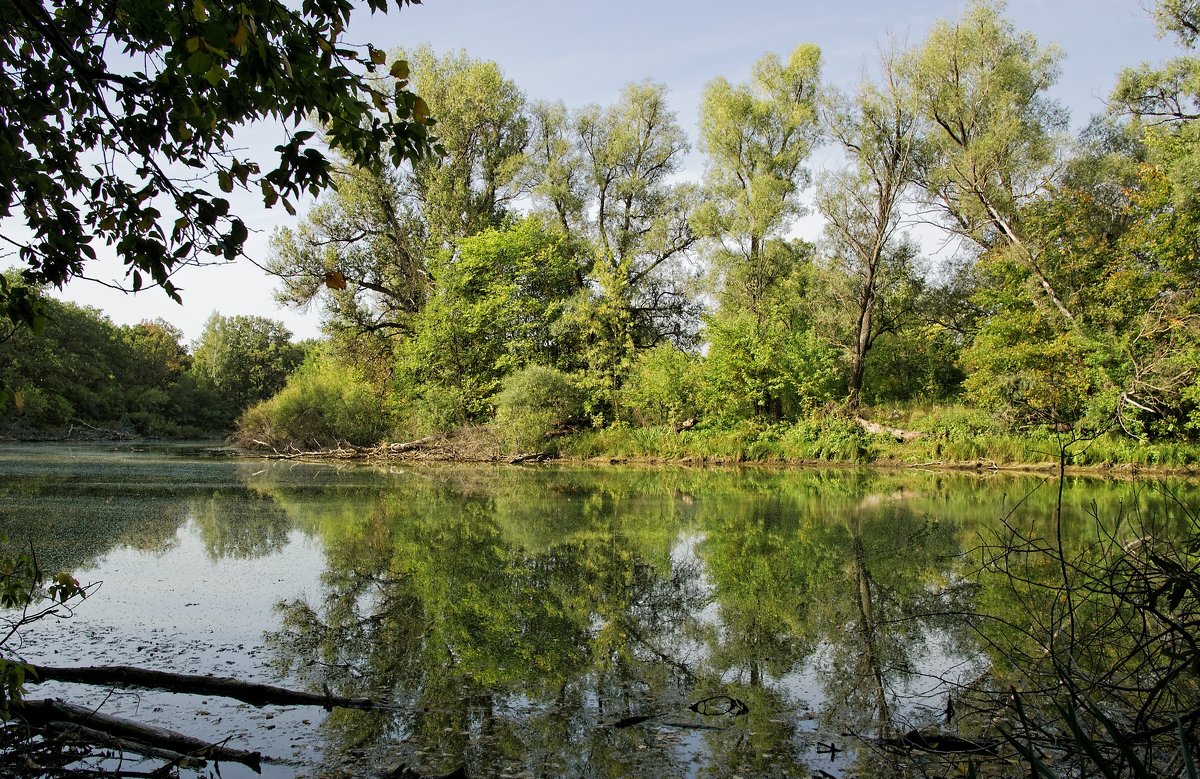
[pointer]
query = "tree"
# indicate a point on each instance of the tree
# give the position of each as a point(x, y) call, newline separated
point(769, 361)
point(366, 250)
point(494, 310)
point(606, 174)
point(989, 135)
point(118, 118)
point(245, 358)
point(757, 137)
point(861, 206)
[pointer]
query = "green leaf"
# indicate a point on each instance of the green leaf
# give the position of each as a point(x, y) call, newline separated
point(399, 69)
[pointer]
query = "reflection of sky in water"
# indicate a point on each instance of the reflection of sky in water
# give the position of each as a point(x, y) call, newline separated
point(178, 610)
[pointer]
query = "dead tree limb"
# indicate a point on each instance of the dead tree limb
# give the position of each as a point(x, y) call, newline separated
point(874, 428)
point(247, 692)
point(47, 711)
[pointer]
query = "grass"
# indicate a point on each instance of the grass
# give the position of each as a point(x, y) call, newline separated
point(949, 435)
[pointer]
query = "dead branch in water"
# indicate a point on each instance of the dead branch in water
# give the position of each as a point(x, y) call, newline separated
point(247, 692)
point(54, 713)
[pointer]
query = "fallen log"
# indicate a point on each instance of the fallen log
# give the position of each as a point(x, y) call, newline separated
point(50, 710)
point(223, 686)
point(408, 446)
point(875, 428)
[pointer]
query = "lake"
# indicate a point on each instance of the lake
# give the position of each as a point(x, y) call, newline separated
point(548, 620)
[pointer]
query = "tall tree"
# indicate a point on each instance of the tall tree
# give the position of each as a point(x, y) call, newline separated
point(990, 136)
point(366, 249)
point(245, 358)
point(606, 174)
point(758, 136)
point(763, 357)
point(110, 109)
point(1167, 100)
point(874, 268)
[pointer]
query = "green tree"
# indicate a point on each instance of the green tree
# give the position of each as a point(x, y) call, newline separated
point(156, 90)
point(1167, 99)
point(770, 361)
point(367, 249)
point(83, 371)
point(244, 358)
point(606, 173)
point(989, 135)
point(495, 309)
point(874, 277)
point(757, 137)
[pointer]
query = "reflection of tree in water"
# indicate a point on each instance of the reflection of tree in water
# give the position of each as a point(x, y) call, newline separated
point(513, 618)
point(240, 524)
point(850, 587)
point(497, 656)
point(893, 598)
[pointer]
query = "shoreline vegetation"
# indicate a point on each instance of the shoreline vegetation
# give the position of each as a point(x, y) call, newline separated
point(835, 440)
point(557, 290)
point(870, 445)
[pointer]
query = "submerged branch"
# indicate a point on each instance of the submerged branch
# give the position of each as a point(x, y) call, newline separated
point(247, 692)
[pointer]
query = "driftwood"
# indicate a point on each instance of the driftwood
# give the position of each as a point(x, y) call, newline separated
point(223, 686)
point(53, 713)
point(875, 428)
point(349, 452)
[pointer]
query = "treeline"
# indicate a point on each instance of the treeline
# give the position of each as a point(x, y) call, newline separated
point(553, 271)
point(84, 376)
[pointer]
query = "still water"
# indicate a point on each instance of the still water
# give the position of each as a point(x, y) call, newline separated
point(541, 621)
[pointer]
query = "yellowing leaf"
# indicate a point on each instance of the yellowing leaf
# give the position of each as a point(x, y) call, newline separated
point(420, 110)
point(335, 280)
point(239, 38)
point(399, 69)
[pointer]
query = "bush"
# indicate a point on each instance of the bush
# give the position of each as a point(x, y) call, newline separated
point(827, 436)
point(662, 387)
point(532, 403)
point(322, 404)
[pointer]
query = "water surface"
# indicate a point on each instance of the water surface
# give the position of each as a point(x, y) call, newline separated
point(542, 621)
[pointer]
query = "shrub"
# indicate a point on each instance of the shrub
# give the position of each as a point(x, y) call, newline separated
point(662, 387)
point(322, 404)
point(534, 402)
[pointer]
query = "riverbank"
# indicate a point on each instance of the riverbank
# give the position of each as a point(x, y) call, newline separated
point(778, 446)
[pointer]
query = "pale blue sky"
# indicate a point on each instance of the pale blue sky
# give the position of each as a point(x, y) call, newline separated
point(586, 52)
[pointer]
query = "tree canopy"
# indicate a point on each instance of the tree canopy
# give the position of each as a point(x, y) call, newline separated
point(118, 118)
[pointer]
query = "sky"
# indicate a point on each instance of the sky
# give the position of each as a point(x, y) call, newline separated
point(586, 52)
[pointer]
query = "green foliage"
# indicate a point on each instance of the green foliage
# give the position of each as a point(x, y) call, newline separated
point(367, 250)
point(606, 175)
point(781, 373)
point(84, 370)
point(919, 363)
point(826, 436)
point(322, 404)
point(663, 387)
point(494, 309)
point(23, 584)
point(533, 403)
point(757, 136)
point(246, 359)
point(156, 89)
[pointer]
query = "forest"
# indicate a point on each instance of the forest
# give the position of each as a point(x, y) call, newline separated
point(552, 279)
